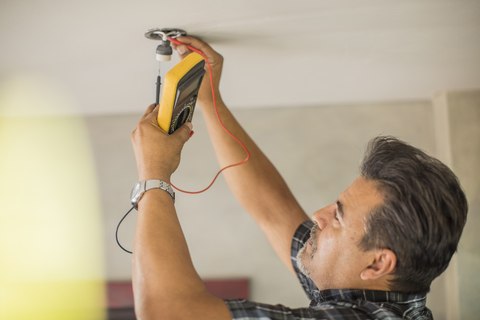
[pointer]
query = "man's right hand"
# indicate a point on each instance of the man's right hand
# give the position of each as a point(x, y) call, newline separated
point(216, 63)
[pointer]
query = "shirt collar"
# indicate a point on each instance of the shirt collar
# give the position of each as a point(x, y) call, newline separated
point(367, 295)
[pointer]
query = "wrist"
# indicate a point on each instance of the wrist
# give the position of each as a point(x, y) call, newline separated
point(206, 94)
point(154, 177)
point(143, 187)
point(144, 176)
point(206, 102)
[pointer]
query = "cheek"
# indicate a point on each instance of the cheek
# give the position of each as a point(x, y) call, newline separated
point(332, 247)
point(327, 244)
point(329, 239)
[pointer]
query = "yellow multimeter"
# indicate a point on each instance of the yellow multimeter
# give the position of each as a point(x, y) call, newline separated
point(180, 91)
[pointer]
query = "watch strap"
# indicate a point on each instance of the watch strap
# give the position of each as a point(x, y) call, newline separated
point(160, 184)
point(144, 186)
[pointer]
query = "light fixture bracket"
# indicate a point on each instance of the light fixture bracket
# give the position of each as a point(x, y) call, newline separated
point(163, 34)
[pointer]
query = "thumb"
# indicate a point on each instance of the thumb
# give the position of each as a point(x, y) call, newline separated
point(182, 50)
point(183, 133)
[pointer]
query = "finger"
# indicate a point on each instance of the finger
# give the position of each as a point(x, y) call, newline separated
point(197, 44)
point(182, 50)
point(183, 133)
point(148, 111)
point(152, 116)
point(211, 54)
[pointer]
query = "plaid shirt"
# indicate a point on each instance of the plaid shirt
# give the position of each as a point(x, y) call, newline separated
point(334, 304)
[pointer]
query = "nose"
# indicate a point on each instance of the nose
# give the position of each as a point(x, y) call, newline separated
point(323, 216)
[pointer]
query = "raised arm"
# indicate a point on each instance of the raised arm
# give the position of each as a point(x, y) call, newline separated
point(165, 283)
point(257, 185)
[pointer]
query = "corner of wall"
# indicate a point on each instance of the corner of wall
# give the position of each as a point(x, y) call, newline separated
point(444, 154)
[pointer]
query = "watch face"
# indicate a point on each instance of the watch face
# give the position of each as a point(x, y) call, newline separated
point(135, 191)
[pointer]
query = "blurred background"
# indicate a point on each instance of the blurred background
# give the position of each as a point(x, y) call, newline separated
point(311, 81)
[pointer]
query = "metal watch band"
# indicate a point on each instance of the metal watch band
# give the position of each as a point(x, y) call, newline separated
point(143, 186)
point(160, 184)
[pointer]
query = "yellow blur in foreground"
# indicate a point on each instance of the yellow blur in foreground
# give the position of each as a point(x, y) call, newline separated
point(50, 221)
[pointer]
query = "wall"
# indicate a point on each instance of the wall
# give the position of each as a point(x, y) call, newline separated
point(465, 138)
point(317, 149)
point(458, 135)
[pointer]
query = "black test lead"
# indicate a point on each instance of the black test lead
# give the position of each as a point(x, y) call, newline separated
point(158, 84)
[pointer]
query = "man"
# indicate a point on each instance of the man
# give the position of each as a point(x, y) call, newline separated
point(371, 254)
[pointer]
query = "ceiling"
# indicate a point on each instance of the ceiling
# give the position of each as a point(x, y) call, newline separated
point(91, 57)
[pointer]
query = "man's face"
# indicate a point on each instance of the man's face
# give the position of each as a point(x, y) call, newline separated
point(331, 257)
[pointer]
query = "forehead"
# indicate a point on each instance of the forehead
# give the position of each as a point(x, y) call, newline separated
point(358, 200)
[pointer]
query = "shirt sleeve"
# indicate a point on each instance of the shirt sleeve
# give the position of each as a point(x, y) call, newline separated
point(299, 239)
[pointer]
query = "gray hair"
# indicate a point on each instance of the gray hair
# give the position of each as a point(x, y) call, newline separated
point(423, 214)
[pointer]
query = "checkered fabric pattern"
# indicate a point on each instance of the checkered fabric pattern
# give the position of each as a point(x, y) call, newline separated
point(334, 304)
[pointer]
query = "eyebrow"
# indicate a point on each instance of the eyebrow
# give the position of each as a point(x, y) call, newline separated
point(340, 209)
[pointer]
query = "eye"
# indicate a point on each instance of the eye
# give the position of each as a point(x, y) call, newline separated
point(336, 215)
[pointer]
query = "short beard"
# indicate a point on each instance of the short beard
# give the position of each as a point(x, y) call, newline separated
point(300, 263)
point(301, 254)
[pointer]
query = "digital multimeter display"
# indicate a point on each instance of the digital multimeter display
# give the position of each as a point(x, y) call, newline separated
point(187, 91)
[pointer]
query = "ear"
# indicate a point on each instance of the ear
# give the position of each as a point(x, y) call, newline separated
point(384, 262)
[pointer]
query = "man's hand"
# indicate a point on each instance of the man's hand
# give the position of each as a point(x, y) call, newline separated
point(157, 153)
point(216, 63)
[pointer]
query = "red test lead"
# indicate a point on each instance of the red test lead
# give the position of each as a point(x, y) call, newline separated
point(218, 117)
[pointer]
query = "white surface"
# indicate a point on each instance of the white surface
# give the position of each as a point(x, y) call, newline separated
point(278, 53)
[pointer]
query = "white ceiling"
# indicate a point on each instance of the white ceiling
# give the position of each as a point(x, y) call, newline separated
point(94, 56)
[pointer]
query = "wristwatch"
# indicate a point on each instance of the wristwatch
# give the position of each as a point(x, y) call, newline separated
point(143, 186)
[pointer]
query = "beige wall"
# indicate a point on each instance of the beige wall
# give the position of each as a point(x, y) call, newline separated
point(317, 150)
point(458, 133)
